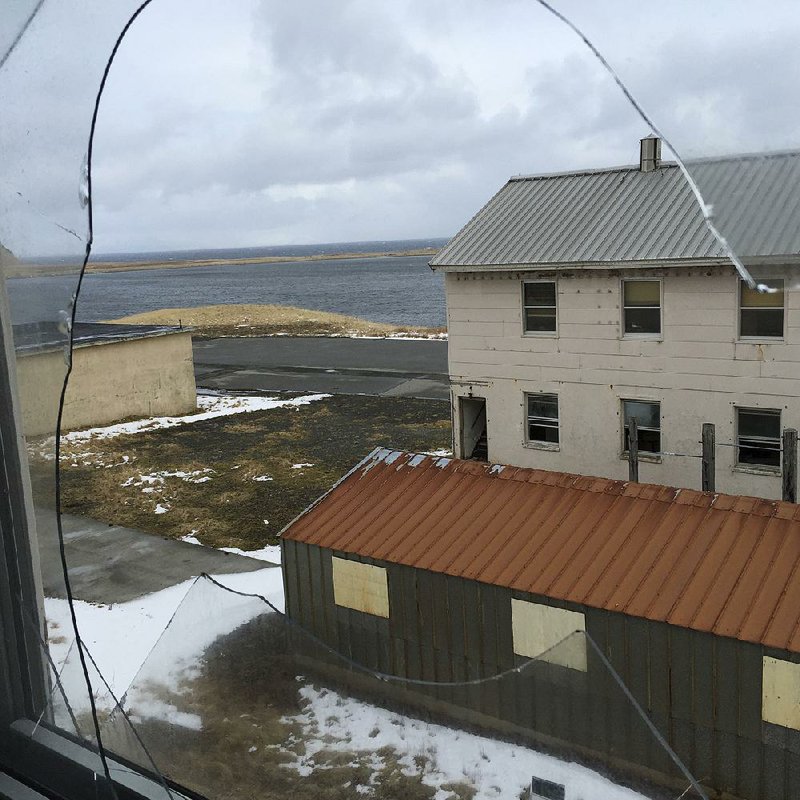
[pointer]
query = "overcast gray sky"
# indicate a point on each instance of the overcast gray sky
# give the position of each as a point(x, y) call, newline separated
point(250, 122)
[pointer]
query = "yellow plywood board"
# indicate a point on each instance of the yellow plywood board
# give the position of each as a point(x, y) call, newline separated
point(362, 587)
point(540, 631)
point(780, 693)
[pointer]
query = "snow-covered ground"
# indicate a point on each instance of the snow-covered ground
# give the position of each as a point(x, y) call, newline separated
point(121, 636)
point(271, 553)
point(210, 406)
point(496, 769)
point(125, 636)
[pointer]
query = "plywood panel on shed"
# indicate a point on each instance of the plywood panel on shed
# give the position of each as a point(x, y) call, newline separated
point(539, 631)
point(362, 587)
point(780, 695)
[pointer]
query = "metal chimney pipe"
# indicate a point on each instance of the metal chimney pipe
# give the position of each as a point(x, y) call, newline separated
point(649, 153)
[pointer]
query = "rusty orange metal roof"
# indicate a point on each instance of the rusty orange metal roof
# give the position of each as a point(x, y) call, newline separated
point(718, 563)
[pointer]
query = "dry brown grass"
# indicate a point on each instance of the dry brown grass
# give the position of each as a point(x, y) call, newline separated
point(232, 509)
point(270, 320)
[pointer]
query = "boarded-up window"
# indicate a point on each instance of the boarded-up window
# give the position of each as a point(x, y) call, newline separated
point(780, 693)
point(362, 587)
point(545, 632)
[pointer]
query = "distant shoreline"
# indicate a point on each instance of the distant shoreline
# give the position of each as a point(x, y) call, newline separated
point(113, 266)
point(28, 270)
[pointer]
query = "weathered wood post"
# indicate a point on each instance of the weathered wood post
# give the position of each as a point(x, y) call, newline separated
point(789, 466)
point(633, 451)
point(709, 458)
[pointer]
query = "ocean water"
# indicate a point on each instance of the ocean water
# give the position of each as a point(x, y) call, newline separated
point(397, 289)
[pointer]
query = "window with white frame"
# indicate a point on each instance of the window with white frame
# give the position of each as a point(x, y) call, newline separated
point(542, 417)
point(641, 307)
point(758, 437)
point(648, 424)
point(761, 310)
point(539, 306)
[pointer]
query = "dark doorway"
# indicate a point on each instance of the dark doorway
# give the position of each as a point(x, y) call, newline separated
point(472, 419)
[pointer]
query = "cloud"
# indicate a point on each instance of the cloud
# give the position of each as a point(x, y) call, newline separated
point(264, 121)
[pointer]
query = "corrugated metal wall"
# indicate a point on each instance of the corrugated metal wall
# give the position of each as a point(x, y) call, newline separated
point(702, 691)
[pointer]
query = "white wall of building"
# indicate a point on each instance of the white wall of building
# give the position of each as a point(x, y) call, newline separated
point(697, 369)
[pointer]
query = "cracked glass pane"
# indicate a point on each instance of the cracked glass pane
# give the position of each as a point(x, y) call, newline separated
point(230, 143)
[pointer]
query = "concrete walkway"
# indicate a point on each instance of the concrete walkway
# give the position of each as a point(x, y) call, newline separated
point(336, 365)
point(109, 564)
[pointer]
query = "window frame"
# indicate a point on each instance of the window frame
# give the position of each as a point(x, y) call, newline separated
point(644, 455)
point(535, 443)
point(744, 466)
point(545, 334)
point(740, 337)
point(42, 758)
point(645, 334)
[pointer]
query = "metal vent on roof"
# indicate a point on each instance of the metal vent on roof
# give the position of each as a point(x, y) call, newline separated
point(649, 153)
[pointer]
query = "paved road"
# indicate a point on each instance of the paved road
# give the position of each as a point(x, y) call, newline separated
point(110, 564)
point(388, 367)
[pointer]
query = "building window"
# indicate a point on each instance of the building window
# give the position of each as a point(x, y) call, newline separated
point(641, 308)
point(761, 313)
point(543, 418)
point(758, 437)
point(539, 306)
point(648, 423)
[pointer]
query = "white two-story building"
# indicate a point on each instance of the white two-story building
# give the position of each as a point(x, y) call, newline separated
point(576, 301)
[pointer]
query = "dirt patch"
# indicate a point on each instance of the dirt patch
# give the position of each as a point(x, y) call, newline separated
point(236, 481)
point(211, 322)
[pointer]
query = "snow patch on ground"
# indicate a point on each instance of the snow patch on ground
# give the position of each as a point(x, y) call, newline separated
point(122, 636)
point(332, 721)
point(158, 478)
point(210, 407)
point(262, 478)
point(271, 553)
point(301, 465)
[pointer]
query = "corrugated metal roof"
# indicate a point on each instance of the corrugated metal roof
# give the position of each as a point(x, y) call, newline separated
point(717, 563)
point(624, 215)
